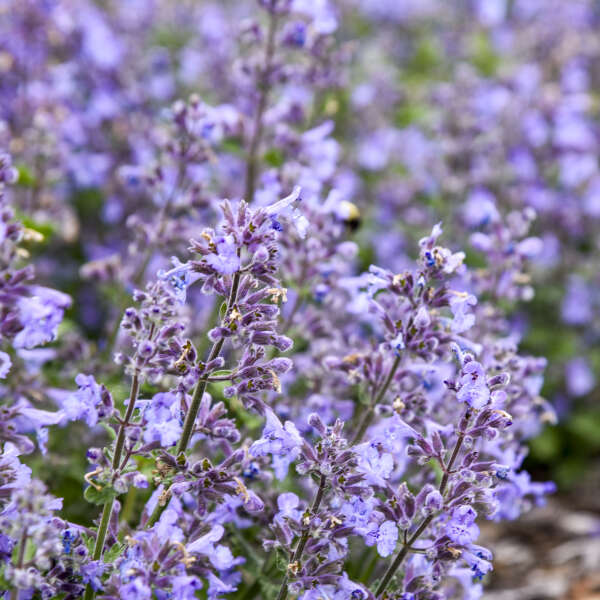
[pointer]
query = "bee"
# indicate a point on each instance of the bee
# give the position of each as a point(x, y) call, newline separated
point(348, 213)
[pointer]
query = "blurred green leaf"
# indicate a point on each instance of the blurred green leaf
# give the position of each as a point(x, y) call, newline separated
point(99, 496)
point(274, 157)
point(483, 55)
point(427, 57)
point(233, 146)
point(585, 426)
point(546, 446)
point(410, 113)
point(26, 177)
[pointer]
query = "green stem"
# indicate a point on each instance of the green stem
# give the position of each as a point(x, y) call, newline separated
point(423, 526)
point(135, 386)
point(192, 413)
point(283, 590)
point(100, 537)
point(190, 418)
point(370, 414)
point(158, 510)
point(251, 165)
point(20, 557)
point(108, 505)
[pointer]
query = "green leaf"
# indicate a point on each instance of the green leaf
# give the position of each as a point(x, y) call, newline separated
point(5, 584)
point(281, 560)
point(113, 552)
point(46, 228)
point(233, 146)
point(26, 177)
point(88, 202)
point(111, 432)
point(585, 426)
point(547, 446)
point(274, 157)
point(101, 496)
point(484, 57)
point(30, 549)
point(427, 57)
point(437, 469)
point(410, 113)
point(89, 542)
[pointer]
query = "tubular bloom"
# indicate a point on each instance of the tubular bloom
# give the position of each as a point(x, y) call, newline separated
point(264, 413)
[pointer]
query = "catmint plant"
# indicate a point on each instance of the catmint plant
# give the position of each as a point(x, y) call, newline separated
point(265, 271)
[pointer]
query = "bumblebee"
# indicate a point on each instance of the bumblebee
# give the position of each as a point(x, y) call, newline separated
point(348, 213)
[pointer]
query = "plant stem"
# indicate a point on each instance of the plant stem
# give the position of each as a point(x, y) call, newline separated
point(251, 163)
point(370, 414)
point(283, 590)
point(424, 524)
point(135, 386)
point(192, 413)
point(21, 555)
point(99, 547)
point(108, 506)
point(138, 276)
point(249, 197)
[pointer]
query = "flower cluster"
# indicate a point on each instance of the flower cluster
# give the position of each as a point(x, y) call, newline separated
point(287, 379)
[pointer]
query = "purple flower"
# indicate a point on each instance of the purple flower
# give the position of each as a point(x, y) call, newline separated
point(167, 528)
point(491, 13)
point(321, 13)
point(91, 573)
point(226, 261)
point(478, 559)
point(13, 474)
point(357, 512)
point(5, 364)
point(83, 404)
point(376, 465)
point(281, 441)
point(385, 536)
point(576, 306)
point(461, 528)
point(480, 209)
point(580, 378)
point(180, 277)
point(40, 315)
point(217, 586)
point(34, 419)
point(161, 420)
point(184, 587)
point(220, 556)
point(288, 504)
point(473, 387)
point(519, 493)
point(461, 304)
point(422, 318)
point(284, 208)
point(136, 589)
point(398, 344)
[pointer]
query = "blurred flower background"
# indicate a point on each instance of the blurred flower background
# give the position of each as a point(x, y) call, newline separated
point(123, 123)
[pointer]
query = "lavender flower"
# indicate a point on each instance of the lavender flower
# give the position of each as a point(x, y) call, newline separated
point(282, 442)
